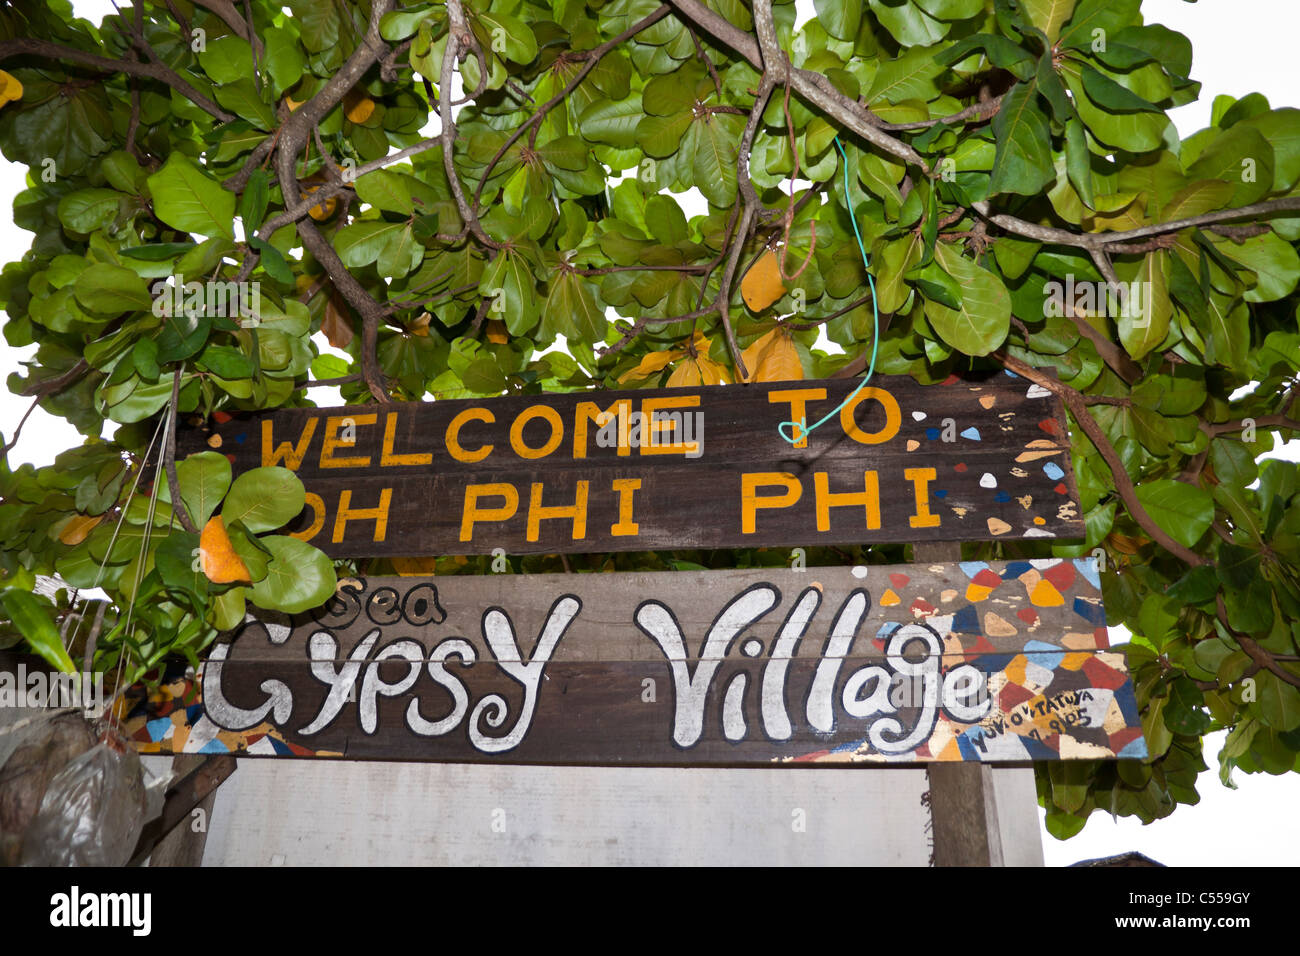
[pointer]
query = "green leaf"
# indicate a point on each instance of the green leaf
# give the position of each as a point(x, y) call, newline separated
point(909, 76)
point(1183, 511)
point(517, 37)
point(361, 243)
point(243, 98)
point(176, 564)
point(571, 310)
point(1281, 129)
point(157, 251)
point(385, 190)
point(111, 289)
point(1109, 95)
point(1063, 825)
point(1141, 330)
point(204, 479)
point(33, 617)
point(226, 59)
point(661, 136)
point(952, 9)
point(1078, 160)
point(253, 202)
point(89, 209)
point(1241, 156)
point(982, 322)
point(1000, 51)
point(400, 254)
point(187, 198)
point(613, 122)
point(298, 577)
point(509, 281)
point(400, 24)
point(1024, 160)
point(1279, 702)
point(1274, 262)
point(264, 499)
point(1109, 16)
point(840, 18)
point(272, 261)
point(1048, 15)
point(284, 57)
point(1136, 132)
point(715, 159)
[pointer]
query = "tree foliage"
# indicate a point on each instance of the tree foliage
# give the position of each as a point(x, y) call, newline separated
point(998, 156)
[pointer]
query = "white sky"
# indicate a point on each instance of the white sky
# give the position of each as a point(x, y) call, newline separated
point(1240, 46)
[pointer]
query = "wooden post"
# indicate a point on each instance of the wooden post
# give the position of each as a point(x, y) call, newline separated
point(164, 841)
point(962, 805)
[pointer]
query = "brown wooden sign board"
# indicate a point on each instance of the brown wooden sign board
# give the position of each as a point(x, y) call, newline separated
point(672, 468)
point(970, 661)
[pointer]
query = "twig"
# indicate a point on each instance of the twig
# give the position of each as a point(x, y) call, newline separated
point(590, 59)
point(293, 138)
point(1123, 484)
point(155, 70)
point(169, 457)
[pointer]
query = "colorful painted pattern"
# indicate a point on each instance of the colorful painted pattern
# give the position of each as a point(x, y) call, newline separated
point(1046, 455)
point(1041, 692)
point(171, 720)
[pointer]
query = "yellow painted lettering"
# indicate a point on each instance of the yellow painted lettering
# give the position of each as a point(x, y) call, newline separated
point(552, 418)
point(588, 412)
point(626, 527)
point(798, 399)
point(577, 511)
point(472, 513)
point(332, 440)
point(346, 513)
point(453, 437)
point(287, 452)
point(920, 479)
point(893, 417)
point(751, 501)
point(868, 498)
point(651, 426)
point(388, 458)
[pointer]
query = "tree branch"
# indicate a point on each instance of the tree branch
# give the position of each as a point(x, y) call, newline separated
point(293, 137)
point(1256, 653)
point(590, 59)
point(813, 87)
point(1105, 239)
point(29, 46)
point(1074, 401)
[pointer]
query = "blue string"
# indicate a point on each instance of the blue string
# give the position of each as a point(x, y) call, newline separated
point(875, 319)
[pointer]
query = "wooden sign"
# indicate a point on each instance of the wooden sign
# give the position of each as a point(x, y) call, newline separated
point(672, 468)
point(972, 661)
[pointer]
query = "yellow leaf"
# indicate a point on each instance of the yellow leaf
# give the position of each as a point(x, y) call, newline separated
point(711, 372)
point(762, 284)
point(358, 107)
point(686, 375)
point(773, 358)
point(414, 567)
point(10, 89)
point(325, 210)
point(78, 526)
point(651, 364)
point(496, 332)
point(217, 556)
point(292, 103)
point(420, 326)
